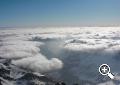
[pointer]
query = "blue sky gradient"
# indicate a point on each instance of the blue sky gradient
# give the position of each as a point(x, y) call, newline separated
point(32, 13)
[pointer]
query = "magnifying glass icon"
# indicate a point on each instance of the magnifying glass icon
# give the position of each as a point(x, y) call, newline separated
point(104, 69)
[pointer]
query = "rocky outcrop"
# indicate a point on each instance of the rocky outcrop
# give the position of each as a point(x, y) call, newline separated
point(7, 77)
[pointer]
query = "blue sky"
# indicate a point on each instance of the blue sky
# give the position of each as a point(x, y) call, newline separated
point(30, 13)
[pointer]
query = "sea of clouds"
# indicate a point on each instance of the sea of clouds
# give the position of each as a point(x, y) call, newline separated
point(71, 54)
point(25, 53)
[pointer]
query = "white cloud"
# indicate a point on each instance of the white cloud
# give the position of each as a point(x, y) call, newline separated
point(88, 46)
point(107, 83)
point(25, 53)
point(39, 64)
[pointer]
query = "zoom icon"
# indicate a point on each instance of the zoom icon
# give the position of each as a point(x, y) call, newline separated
point(104, 69)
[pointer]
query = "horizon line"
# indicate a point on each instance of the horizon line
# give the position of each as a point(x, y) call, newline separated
point(50, 26)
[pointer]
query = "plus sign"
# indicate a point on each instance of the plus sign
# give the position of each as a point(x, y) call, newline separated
point(104, 69)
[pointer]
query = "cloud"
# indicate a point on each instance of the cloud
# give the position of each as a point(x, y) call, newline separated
point(94, 39)
point(39, 64)
point(107, 83)
point(25, 52)
point(19, 49)
point(79, 49)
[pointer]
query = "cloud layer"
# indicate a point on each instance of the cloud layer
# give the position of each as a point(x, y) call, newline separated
point(73, 50)
point(25, 52)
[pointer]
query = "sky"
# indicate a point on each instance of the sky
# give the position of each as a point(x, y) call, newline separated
point(36, 13)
